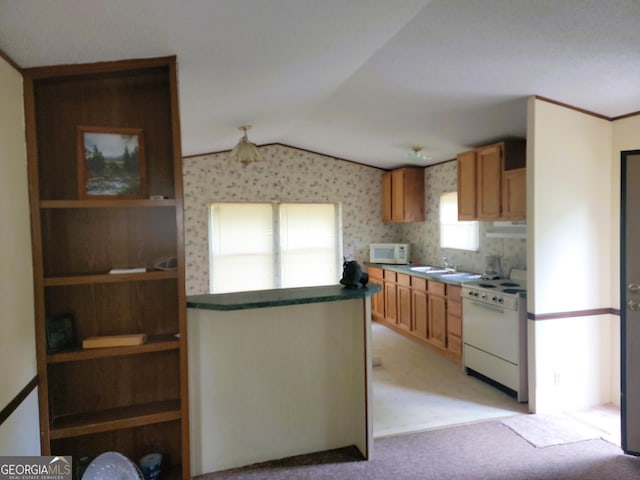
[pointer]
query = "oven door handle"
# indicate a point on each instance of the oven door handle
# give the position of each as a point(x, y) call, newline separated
point(486, 306)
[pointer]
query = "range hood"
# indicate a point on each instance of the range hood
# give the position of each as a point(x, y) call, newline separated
point(516, 229)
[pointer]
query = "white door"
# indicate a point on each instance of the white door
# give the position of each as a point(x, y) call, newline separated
point(630, 301)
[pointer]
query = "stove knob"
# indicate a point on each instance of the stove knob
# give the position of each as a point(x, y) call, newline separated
point(495, 299)
point(500, 300)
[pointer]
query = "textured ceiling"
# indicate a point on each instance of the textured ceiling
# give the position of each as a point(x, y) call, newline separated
point(358, 79)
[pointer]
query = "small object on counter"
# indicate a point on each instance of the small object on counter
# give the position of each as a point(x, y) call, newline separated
point(352, 275)
point(115, 340)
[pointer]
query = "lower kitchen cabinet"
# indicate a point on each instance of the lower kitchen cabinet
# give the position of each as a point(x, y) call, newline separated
point(377, 300)
point(437, 314)
point(454, 320)
point(428, 311)
point(390, 298)
point(403, 302)
point(419, 308)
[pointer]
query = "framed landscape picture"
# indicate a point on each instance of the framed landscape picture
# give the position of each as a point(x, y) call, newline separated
point(111, 163)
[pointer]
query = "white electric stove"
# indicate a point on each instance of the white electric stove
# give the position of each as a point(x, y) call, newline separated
point(494, 332)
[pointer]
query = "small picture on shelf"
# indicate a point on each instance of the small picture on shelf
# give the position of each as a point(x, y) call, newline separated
point(111, 163)
point(60, 331)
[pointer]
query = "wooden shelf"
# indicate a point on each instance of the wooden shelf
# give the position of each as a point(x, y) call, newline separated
point(155, 343)
point(122, 391)
point(115, 419)
point(119, 203)
point(109, 278)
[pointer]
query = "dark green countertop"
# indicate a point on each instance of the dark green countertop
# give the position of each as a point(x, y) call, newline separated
point(278, 297)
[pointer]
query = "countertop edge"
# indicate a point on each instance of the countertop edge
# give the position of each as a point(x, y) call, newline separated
point(278, 297)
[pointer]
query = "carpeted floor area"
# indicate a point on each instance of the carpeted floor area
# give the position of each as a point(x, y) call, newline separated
point(482, 451)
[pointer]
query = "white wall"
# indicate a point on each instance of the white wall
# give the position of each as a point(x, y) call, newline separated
point(17, 347)
point(275, 382)
point(569, 189)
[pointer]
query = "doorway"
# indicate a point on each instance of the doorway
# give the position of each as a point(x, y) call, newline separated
point(630, 300)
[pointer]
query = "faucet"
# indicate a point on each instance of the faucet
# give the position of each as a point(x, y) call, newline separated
point(447, 264)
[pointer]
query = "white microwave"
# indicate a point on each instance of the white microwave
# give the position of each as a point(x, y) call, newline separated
point(396, 253)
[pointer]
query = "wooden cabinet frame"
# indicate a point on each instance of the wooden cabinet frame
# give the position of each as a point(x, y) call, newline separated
point(132, 399)
point(403, 195)
point(425, 310)
point(492, 182)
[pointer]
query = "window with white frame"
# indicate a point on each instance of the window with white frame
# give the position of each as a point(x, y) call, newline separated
point(257, 246)
point(463, 235)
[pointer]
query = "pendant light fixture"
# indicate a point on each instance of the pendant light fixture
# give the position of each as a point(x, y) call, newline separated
point(245, 151)
point(417, 154)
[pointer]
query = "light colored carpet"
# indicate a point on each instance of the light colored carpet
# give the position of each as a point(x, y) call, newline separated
point(547, 430)
point(416, 389)
point(544, 430)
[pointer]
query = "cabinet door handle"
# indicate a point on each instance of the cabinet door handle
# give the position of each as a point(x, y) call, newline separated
point(633, 306)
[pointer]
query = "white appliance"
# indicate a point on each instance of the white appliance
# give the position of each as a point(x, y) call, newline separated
point(394, 253)
point(494, 332)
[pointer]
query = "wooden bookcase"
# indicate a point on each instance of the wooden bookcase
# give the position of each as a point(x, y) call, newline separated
point(131, 399)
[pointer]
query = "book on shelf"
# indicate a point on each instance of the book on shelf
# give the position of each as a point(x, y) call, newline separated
point(115, 340)
point(127, 269)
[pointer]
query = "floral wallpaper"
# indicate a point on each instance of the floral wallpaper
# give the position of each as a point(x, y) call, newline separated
point(286, 175)
point(425, 237)
point(292, 175)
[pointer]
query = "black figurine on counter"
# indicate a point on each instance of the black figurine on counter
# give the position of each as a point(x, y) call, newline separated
point(352, 274)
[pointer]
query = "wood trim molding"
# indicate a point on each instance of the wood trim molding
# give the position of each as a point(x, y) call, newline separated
point(10, 60)
point(577, 313)
point(620, 117)
point(18, 399)
point(572, 107)
point(286, 146)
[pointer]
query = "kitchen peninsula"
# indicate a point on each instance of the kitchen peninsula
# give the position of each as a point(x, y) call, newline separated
point(276, 373)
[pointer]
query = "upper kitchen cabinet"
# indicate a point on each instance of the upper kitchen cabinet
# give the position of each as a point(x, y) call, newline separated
point(403, 195)
point(467, 185)
point(514, 194)
point(488, 186)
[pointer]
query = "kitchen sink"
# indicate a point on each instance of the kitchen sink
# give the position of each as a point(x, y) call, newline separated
point(444, 272)
point(434, 270)
point(423, 269)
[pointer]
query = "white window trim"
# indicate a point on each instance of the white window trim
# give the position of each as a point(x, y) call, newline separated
point(456, 227)
point(277, 258)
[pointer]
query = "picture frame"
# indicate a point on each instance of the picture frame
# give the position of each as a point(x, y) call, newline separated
point(60, 331)
point(111, 162)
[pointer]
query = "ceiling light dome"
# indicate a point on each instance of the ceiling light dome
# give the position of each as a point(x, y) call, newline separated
point(245, 151)
point(417, 154)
